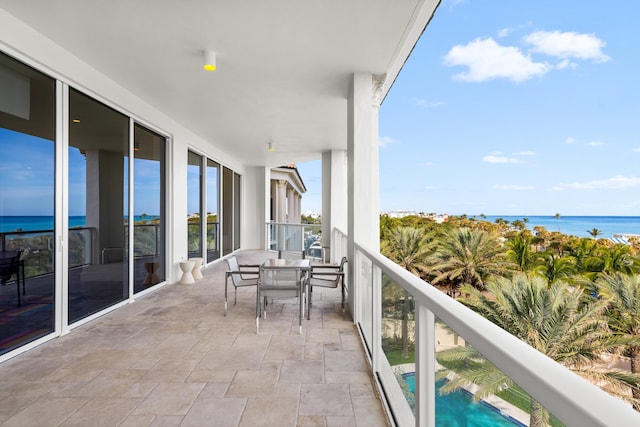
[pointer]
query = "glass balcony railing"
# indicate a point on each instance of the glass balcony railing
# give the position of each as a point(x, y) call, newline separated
point(425, 348)
point(38, 246)
point(296, 237)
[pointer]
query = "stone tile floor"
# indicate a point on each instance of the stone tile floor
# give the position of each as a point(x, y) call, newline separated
point(172, 359)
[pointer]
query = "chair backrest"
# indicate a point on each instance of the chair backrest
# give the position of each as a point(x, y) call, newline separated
point(10, 265)
point(343, 261)
point(291, 254)
point(232, 263)
point(280, 277)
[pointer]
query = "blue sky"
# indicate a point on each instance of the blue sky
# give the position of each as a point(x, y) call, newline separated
point(513, 107)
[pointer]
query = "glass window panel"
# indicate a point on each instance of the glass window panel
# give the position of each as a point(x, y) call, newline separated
point(27, 206)
point(213, 207)
point(149, 225)
point(236, 211)
point(227, 211)
point(194, 204)
point(98, 191)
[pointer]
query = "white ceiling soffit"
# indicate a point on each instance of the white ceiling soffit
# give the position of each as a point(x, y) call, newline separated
point(284, 66)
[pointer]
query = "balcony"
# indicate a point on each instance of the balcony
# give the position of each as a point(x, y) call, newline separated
point(169, 356)
point(172, 357)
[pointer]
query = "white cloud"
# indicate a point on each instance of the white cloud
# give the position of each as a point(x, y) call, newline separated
point(525, 153)
point(504, 32)
point(637, 150)
point(487, 60)
point(567, 45)
point(430, 187)
point(570, 140)
point(385, 141)
point(426, 164)
point(614, 183)
point(500, 159)
point(595, 144)
point(513, 187)
point(423, 103)
point(565, 63)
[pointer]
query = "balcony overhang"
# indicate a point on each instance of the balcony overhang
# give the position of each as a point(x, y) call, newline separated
point(284, 67)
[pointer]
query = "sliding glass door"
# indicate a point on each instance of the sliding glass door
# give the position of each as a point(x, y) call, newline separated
point(194, 204)
point(27, 206)
point(98, 204)
point(149, 221)
point(213, 209)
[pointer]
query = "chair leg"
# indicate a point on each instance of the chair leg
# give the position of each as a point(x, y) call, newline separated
point(24, 285)
point(18, 287)
point(225, 296)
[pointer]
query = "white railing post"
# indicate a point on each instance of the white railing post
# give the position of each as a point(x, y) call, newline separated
point(425, 351)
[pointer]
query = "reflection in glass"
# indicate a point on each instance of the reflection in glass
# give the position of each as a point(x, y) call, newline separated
point(194, 204)
point(27, 174)
point(471, 388)
point(398, 333)
point(213, 207)
point(98, 174)
point(149, 225)
point(227, 211)
point(236, 211)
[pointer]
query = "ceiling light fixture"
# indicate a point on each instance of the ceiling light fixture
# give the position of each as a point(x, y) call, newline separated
point(271, 146)
point(209, 60)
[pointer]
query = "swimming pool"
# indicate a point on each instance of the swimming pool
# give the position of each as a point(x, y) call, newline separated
point(457, 409)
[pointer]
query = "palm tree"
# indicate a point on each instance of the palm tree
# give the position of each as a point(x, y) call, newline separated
point(594, 232)
point(554, 268)
point(622, 291)
point(520, 254)
point(586, 258)
point(618, 259)
point(409, 248)
point(553, 320)
point(466, 256)
point(557, 216)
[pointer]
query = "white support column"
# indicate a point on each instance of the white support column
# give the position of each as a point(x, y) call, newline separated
point(291, 214)
point(280, 201)
point(363, 180)
point(334, 196)
point(257, 191)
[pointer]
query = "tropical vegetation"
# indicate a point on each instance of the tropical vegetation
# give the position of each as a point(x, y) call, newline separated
point(575, 299)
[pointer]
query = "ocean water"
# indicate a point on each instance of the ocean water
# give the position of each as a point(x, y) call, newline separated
point(43, 223)
point(574, 225)
point(577, 225)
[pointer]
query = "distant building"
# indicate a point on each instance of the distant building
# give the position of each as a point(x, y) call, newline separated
point(287, 189)
point(439, 218)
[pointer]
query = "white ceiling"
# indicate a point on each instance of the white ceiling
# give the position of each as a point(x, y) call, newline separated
point(284, 66)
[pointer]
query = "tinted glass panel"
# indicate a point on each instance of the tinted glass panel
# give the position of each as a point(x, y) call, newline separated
point(194, 204)
point(27, 207)
point(149, 225)
point(98, 194)
point(236, 211)
point(213, 208)
point(227, 211)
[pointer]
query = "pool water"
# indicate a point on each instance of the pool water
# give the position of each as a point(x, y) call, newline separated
point(457, 409)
